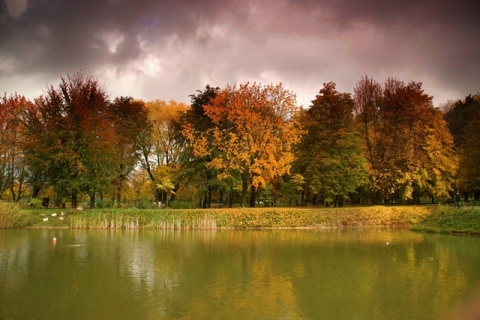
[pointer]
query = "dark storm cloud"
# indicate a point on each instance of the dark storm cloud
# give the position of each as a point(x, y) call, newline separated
point(64, 34)
point(169, 49)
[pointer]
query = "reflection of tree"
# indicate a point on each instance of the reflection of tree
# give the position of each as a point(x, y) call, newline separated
point(235, 274)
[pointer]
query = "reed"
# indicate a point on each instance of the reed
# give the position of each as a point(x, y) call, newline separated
point(245, 218)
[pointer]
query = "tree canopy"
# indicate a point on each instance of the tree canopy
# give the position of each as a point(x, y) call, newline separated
point(406, 141)
point(251, 143)
point(330, 153)
point(255, 128)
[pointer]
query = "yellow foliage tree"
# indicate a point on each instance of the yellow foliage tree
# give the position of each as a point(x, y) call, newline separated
point(160, 157)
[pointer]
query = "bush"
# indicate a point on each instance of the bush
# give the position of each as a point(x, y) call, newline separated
point(181, 205)
point(10, 216)
point(36, 203)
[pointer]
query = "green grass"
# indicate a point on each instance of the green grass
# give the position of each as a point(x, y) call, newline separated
point(451, 220)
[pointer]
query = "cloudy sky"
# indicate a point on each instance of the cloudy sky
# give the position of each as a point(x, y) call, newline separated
point(168, 49)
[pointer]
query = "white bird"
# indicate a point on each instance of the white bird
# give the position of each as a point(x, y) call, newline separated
point(45, 219)
point(62, 214)
point(54, 214)
point(61, 218)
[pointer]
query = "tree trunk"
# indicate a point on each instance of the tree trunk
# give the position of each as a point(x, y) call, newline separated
point(74, 200)
point(338, 201)
point(244, 190)
point(147, 167)
point(230, 201)
point(253, 196)
point(14, 196)
point(92, 200)
point(36, 191)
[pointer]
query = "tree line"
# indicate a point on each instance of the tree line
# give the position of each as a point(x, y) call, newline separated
point(244, 144)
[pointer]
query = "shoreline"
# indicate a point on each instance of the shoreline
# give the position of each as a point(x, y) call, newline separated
point(436, 219)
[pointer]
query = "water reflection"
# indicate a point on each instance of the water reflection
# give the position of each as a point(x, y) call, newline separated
point(273, 274)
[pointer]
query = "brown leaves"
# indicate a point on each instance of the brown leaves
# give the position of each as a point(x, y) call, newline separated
point(400, 128)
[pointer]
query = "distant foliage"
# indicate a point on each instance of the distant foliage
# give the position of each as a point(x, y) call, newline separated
point(464, 123)
point(247, 144)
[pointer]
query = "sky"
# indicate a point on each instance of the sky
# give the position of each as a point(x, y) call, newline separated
point(169, 49)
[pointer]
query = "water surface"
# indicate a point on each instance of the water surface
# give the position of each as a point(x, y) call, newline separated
point(263, 274)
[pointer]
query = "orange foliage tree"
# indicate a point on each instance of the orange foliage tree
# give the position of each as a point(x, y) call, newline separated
point(255, 128)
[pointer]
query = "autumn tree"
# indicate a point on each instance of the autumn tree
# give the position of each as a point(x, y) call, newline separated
point(407, 144)
point(459, 115)
point(194, 168)
point(13, 171)
point(330, 152)
point(133, 128)
point(71, 139)
point(254, 130)
point(469, 172)
point(159, 156)
point(463, 120)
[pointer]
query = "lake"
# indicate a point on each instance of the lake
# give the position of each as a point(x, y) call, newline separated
point(237, 274)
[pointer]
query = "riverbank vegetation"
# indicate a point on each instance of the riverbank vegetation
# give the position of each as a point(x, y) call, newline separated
point(438, 219)
point(237, 146)
point(229, 218)
point(451, 220)
point(11, 217)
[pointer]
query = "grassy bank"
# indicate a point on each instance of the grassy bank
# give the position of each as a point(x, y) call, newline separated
point(451, 220)
point(419, 218)
point(244, 218)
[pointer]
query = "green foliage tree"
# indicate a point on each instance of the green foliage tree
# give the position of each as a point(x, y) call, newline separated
point(132, 127)
point(194, 167)
point(330, 152)
point(463, 120)
point(459, 116)
point(469, 173)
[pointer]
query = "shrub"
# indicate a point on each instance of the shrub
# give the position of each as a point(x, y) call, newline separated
point(10, 216)
point(36, 203)
point(181, 205)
